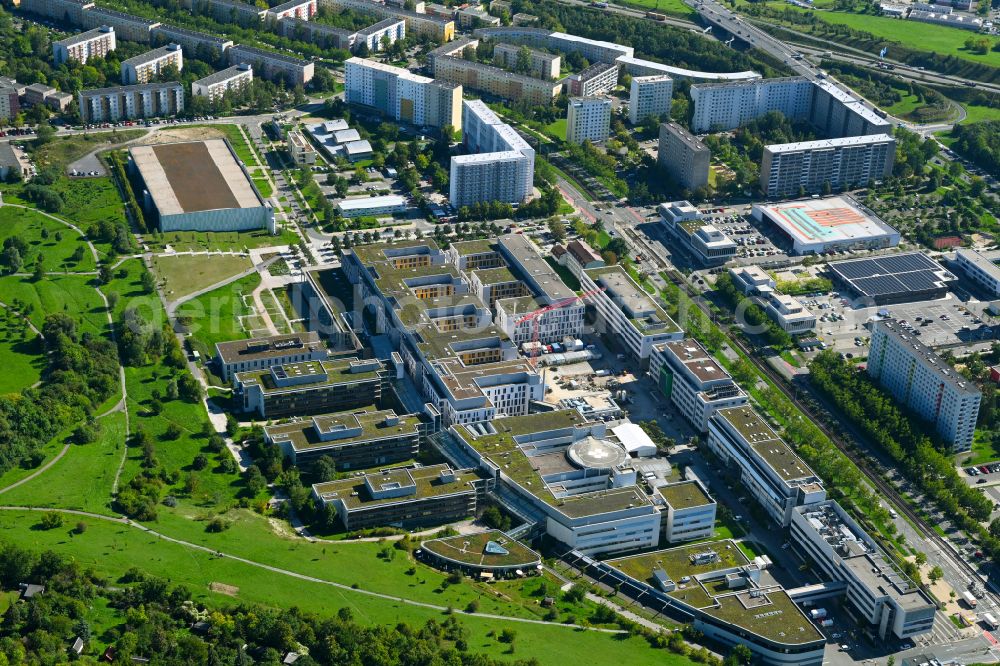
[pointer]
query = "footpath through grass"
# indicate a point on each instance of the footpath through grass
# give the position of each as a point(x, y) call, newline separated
point(60, 248)
point(185, 274)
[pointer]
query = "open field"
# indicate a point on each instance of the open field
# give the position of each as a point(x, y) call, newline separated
point(978, 114)
point(669, 7)
point(185, 274)
point(22, 352)
point(112, 549)
point(221, 314)
point(71, 294)
point(60, 151)
point(55, 243)
point(557, 129)
point(211, 241)
point(83, 478)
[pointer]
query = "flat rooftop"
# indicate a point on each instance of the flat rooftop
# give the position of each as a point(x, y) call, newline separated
point(640, 308)
point(370, 424)
point(495, 275)
point(820, 144)
point(224, 74)
point(766, 611)
point(828, 220)
point(471, 247)
point(426, 482)
point(236, 351)
point(686, 495)
point(696, 359)
point(366, 203)
point(327, 373)
point(472, 549)
point(771, 448)
point(194, 176)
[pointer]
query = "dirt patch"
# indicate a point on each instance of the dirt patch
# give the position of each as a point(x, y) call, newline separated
point(223, 588)
point(281, 528)
point(174, 134)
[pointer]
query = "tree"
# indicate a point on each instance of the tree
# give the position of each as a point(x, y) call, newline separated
point(39, 273)
point(935, 574)
point(11, 259)
point(558, 230)
point(44, 134)
point(51, 520)
point(148, 282)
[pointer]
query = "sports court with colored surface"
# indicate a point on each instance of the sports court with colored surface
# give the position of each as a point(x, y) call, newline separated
point(831, 223)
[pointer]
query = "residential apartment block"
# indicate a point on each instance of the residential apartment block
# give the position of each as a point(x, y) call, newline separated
point(399, 94)
point(68, 11)
point(437, 28)
point(129, 27)
point(773, 474)
point(544, 65)
point(217, 84)
point(650, 96)
point(921, 380)
point(10, 104)
point(685, 159)
point(790, 168)
point(298, 9)
point(378, 35)
point(272, 66)
point(877, 589)
point(147, 66)
point(356, 439)
point(96, 43)
point(496, 81)
point(308, 387)
point(241, 13)
point(694, 381)
point(500, 166)
point(627, 313)
point(588, 119)
point(192, 41)
point(149, 100)
point(597, 79)
point(326, 36)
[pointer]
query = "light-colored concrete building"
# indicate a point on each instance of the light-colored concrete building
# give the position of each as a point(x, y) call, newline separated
point(301, 150)
point(215, 85)
point(650, 96)
point(544, 65)
point(298, 9)
point(588, 119)
point(694, 381)
point(775, 477)
point(148, 100)
point(321, 34)
point(597, 79)
point(129, 27)
point(500, 165)
point(399, 94)
point(877, 588)
point(96, 43)
point(685, 159)
point(10, 104)
point(60, 10)
point(381, 206)
point(378, 36)
point(272, 66)
point(192, 41)
point(926, 384)
point(979, 269)
point(688, 511)
point(792, 168)
point(789, 313)
point(147, 66)
point(752, 280)
point(261, 353)
point(438, 28)
point(496, 81)
point(726, 106)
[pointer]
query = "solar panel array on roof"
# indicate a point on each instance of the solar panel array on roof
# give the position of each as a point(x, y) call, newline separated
point(894, 278)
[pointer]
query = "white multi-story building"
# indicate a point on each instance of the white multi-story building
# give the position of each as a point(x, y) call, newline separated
point(726, 106)
point(544, 65)
point(650, 96)
point(214, 86)
point(548, 289)
point(773, 474)
point(689, 512)
point(96, 43)
point(921, 380)
point(789, 168)
point(598, 79)
point(878, 590)
point(262, 353)
point(402, 95)
point(147, 66)
point(979, 269)
point(694, 381)
point(300, 149)
point(588, 119)
point(500, 166)
point(380, 35)
point(558, 470)
point(273, 66)
point(300, 9)
point(788, 313)
point(752, 280)
point(148, 100)
point(627, 313)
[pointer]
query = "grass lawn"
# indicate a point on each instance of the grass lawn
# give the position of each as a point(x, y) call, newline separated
point(112, 549)
point(263, 186)
point(56, 249)
point(210, 241)
point(984, 450)
point(62, 150)
point(670, 7)
point(71, 294)
point(564, 273)
point(925, 36)
point(22, 352)
point(185, 274)
point(557, 129)
point(83, 478)
point(215, 316)
point(978, 114)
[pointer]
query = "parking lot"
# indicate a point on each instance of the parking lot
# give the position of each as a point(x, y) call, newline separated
point(754, 246)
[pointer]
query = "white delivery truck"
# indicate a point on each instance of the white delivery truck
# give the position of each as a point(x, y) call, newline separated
point(969, 598)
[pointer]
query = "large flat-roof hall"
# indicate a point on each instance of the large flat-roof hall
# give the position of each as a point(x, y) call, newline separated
point(199, 186)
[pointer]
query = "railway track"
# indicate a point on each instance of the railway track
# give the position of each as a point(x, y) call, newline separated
point(890, 493)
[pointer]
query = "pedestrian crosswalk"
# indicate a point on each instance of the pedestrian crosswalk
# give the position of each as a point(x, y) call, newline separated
point(943, 632)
